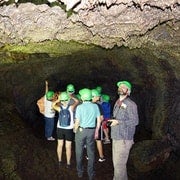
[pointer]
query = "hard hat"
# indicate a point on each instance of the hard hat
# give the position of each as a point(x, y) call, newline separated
point(70, 88)
point(49, 94)
point(99, 89)
point(95, 93)
point(105, 98)
point(86, 94)
point(64, 96)
point(126, 83)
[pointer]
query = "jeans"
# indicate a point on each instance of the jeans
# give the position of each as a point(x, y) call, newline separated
point(85, 137)
point(120, 150)
point(49, 126)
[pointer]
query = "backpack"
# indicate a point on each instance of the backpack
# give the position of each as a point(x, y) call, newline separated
point(40, 104)
point(64, 117)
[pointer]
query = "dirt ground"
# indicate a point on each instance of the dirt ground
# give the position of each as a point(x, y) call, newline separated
point(104, 170)
point(26, 155)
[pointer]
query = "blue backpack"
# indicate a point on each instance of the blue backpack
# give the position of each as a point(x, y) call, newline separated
point(64, 117)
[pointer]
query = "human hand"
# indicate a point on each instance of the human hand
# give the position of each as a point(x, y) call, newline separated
point(75, 129)
point(96, 133)
point(114, 122)
point(76, 126)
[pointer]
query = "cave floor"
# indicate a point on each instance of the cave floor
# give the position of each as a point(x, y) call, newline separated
point(26, 154)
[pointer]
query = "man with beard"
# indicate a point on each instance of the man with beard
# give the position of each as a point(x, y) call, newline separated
point(123, 126)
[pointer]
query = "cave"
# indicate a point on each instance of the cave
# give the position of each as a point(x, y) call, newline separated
point(155, 90)
point(88, 55)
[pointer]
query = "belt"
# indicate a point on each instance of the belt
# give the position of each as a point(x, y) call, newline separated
point(87, 127)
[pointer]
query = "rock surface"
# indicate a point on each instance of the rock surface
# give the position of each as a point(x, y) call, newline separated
point(105, 23)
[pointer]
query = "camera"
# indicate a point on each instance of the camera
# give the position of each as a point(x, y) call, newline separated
point(108, 123)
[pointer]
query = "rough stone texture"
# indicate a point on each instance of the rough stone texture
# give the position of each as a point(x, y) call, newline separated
point(150, 152)
point(128, 23)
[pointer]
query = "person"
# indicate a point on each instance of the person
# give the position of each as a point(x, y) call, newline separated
point(123, 129)
point(99, 89)
point(95, 98)
point(70, 89)
point(65, 133)
point(49, 113)
point(106, 108)
point(87, 124)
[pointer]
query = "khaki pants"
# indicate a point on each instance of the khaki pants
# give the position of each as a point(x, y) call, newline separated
point(120, 152)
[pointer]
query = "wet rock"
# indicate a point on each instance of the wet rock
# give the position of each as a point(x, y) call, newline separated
point(150, 154)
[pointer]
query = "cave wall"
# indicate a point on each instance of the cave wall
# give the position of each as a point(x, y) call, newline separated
point(155, 79)
point(155, 90)
point(155, 85)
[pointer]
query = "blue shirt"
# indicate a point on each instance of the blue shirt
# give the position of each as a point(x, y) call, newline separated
point(86, 113)
point(106, 107)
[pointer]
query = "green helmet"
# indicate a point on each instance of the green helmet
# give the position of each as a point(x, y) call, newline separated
point(128, 84)
point(64, 96)
point(105, 98)
point(49, 94)
point(86, 94)
point(95, 93)
point(99, 89)
point(70, 88)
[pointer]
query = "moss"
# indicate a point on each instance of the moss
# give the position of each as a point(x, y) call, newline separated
point(8, 166)
point(53, 48)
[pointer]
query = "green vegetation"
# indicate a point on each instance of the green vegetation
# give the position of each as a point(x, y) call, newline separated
point(53, 48)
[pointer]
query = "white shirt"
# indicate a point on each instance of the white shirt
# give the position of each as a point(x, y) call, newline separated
point(49, 111)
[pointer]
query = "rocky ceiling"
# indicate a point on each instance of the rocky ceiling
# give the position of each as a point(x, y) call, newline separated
point(107, 23)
